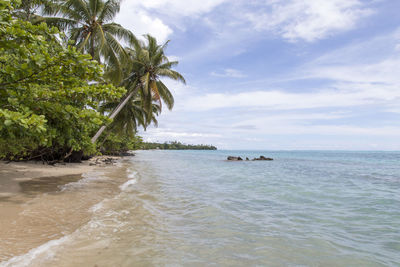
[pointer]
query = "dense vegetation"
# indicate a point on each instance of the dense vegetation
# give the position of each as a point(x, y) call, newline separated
point(175, 145)
point(57, 102)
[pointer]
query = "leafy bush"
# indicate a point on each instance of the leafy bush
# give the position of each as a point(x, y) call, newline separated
point(115, 144)
point(49, 93)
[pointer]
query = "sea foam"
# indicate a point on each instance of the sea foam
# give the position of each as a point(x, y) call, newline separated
point(128, 184)
point(28, 258)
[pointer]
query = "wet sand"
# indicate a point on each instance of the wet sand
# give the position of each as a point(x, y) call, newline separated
point(39, 203)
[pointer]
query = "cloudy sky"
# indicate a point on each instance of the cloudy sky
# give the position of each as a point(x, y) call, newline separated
point(278, 74)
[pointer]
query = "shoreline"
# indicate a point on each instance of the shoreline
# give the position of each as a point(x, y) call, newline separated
point(40, 203)
point(36, 169)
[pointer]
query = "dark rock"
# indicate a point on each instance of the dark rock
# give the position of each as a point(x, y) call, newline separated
point(109, 161)
point(234, 158)
point(247, 158)
point(263, 158)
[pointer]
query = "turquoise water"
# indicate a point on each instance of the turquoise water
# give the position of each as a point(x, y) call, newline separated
point(302, 209)
point(193, 208)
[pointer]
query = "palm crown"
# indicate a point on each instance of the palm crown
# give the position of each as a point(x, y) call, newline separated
point(89, 26)
point(148, 64)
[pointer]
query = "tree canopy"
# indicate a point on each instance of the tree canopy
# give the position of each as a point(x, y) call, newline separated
point(56, 97)
point(89, 25)
point(48, 93)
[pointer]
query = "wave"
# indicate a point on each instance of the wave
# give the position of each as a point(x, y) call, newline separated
point(26, 259)
point(128, 184)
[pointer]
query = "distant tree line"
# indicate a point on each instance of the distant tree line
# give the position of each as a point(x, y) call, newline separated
point(175, 145)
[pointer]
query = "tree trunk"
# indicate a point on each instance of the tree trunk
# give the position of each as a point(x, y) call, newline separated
point(114, 113)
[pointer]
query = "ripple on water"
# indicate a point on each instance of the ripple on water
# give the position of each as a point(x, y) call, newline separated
point(194, 208)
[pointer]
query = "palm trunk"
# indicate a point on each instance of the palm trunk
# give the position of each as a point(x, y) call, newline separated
point(114, 113)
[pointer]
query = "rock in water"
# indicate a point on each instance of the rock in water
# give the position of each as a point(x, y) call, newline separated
point(234, 158)
point(263, 158)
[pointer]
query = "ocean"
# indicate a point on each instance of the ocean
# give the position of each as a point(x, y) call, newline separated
point(194, 208)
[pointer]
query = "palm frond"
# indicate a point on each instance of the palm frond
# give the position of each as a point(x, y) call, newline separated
point(154, 90)
point(75, 9)
point(120, 32)
point(63, 24)
point(109, 11)
point(166, 94)
point(171, 74)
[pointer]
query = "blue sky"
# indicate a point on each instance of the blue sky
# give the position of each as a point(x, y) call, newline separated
point(278, 74)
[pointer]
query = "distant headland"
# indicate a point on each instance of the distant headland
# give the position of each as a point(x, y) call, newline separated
point(175, 145)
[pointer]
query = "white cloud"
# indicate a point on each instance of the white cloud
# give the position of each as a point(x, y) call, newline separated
point(293, 20)
point(173, 134)
point(386, 72)
point(140, 23)
point(166, 134)
point(180, 7)
point(373, 61)
point(231, 73)
point(302, 125)
point(143, 17)
point(308, 20)
point(369, 68)
point(279, 100)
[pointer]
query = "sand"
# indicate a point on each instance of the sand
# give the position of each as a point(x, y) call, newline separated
point(36, 208)
point(35, 169)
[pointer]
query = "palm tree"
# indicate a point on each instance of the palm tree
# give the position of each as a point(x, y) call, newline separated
point(131, 116)
point(29, 9)
point(148, 64)
point(88, 24)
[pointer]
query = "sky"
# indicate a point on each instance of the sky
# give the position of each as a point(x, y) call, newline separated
point(278, 74)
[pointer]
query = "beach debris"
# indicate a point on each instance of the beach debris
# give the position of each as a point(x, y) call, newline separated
point(103, 160)
point(232, 158)
point(263, 158)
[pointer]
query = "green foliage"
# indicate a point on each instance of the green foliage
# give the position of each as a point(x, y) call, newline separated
point(148, 64)
point(89, 26)
point(131, 116)
point(115, 144)
point(175, 145)
point(49, 94)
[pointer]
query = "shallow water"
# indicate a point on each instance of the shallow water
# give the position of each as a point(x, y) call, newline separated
point(180, 208)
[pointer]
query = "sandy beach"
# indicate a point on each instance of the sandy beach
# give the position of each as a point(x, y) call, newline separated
point(37, 205)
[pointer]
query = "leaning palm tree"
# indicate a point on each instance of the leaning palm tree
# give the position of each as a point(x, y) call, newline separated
point(88, 24)
point(148, 64)
point(131, 116)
